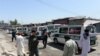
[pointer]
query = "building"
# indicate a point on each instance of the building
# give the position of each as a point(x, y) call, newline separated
point(46, 23)
point(28, 25)
point(61, 21)
point(4, 25)
point(75, 20)
point(97, 25)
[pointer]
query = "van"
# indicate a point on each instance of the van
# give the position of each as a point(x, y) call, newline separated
point(39, 30)
point(52, 28)
point(24, 30)
point(75, 32)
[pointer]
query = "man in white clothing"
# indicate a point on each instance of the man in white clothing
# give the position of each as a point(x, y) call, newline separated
point(85, 43)
point(70, 47)
point(19, 45)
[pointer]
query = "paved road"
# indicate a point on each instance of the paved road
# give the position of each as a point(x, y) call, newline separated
point(52, 49)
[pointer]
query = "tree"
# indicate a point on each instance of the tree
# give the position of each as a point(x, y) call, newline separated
point(2, 21)
point(15, 22)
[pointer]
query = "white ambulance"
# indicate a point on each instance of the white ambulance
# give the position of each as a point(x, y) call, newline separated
point(76, 32)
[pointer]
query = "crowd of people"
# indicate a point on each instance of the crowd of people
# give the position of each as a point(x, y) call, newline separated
point(70, 48)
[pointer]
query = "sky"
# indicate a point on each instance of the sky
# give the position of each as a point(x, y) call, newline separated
point(39, 11)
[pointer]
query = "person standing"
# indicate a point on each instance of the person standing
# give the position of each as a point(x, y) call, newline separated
point(70, 47)
point(20, 44)
point(33, 44)
point(85, 43)
point(13, 35)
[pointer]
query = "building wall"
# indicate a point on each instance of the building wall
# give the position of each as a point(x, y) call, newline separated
point(76, 22)
point(97, 27)
point(69, 21)
point(61, 21)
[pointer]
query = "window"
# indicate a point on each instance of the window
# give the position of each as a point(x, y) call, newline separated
point(56, 35)
point(57, 26)
point(92, 29)
point(24, 28)
point(50, 27)
point(41, 28)
point(74, 37)
point(34, 28)
point(63, 30)
point(19, 29)
point(74, 30)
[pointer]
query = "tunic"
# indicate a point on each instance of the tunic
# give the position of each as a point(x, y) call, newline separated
point(20, 46)
point(70, 48)
point(85, 45)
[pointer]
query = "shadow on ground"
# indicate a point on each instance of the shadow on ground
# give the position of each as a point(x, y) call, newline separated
point(7, 54)
point(92, 50)
point(58, 46)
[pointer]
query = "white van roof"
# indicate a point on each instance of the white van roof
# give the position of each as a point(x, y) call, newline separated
point(71, 26)
point(89, 22)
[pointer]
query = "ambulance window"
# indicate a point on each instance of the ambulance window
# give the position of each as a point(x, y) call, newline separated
point(91, 28)
point(25, 29)
point(57, 26)
point(74, 30)
point(56, 35)
point(52, 31)
point(50, 27)
point(74, 37)
point(40, 29)
point(35, 28)
point(63, 30)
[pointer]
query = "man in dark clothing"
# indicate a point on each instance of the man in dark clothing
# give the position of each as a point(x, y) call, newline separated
point(13, 35)
point(33, 44)
point(45, 38)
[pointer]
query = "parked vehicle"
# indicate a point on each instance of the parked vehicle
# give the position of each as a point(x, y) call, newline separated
point(53, 28)
point(75, 32)
point(39, 30)
point(10, 30)
point(24, 30)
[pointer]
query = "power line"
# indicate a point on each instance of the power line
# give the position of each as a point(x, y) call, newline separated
point(56, 7)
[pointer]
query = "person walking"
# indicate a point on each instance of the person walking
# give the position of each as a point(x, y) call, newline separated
point(20, 45)
point(13, 35)
point(70, 47)
point(85, 43)
point(45, 38)
point(33, 44)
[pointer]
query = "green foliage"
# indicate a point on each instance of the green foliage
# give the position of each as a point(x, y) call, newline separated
point(15, 22)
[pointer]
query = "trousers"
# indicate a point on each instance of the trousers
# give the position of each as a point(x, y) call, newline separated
point(34, 52)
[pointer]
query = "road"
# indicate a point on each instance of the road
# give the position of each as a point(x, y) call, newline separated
point(52, 49)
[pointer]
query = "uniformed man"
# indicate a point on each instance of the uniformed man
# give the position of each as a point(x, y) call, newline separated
point(33, 44)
